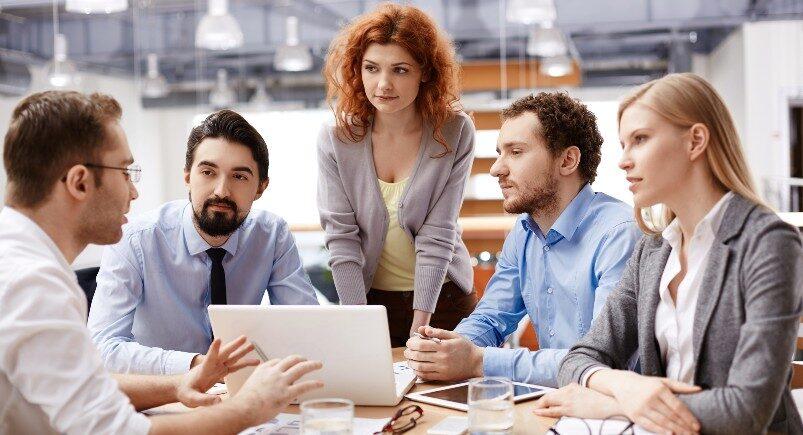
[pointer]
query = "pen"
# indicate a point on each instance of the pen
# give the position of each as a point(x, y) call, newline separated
point(435, 339)
point(261, 354)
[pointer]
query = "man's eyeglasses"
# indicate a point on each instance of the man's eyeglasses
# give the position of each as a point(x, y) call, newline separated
point(132, 171)
point(403, 420)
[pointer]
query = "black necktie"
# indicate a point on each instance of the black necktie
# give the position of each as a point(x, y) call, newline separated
point(217, 277)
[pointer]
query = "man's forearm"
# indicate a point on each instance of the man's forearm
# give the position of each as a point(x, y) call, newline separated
point(122, 356)
point(147, 391)
point(228, 417)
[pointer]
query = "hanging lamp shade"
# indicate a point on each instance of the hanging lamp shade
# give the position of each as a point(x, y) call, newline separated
point(218, 29)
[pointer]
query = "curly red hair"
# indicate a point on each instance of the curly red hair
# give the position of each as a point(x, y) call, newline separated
point(416, 32)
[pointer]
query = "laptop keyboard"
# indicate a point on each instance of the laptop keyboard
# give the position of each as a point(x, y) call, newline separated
point(402, 374)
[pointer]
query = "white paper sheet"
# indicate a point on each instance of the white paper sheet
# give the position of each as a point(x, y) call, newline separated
point(290, 424)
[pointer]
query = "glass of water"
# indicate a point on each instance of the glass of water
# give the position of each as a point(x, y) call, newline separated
point(490, 406)
point(327, 417)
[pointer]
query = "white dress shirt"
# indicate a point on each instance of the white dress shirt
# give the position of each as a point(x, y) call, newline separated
point(674, 320)
point(51, 376)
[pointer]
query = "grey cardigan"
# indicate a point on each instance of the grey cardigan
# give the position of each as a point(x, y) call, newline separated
point(744, 330)
point(355, 218)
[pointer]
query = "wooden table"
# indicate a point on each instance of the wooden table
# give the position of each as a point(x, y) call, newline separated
point(526, 421)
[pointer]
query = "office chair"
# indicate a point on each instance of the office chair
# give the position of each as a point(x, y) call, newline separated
point(87, 281)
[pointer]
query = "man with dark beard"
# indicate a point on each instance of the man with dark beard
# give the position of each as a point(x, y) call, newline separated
point(149, 312)
point(559, 262)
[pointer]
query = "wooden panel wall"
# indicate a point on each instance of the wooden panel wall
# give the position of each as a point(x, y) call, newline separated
point(487, 76)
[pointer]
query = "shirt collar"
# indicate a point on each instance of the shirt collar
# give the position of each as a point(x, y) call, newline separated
point(15, 217)
point(528, 223)
point(708, 224)
point(571, 217)
point(195, 243)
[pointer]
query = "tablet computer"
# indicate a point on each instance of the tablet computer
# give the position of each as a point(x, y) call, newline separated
point(456, 396)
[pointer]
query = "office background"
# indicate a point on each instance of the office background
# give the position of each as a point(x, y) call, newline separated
point(171, 62)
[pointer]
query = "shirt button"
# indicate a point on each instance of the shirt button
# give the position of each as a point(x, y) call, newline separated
point(552, 332)
point(549, 290)
point(546, 248)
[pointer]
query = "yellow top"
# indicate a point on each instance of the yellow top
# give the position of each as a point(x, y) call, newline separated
point(396, 268)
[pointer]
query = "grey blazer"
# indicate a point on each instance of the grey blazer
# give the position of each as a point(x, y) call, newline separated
point(745, 325)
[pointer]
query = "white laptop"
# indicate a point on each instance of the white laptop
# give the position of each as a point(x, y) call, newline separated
point(352, 342)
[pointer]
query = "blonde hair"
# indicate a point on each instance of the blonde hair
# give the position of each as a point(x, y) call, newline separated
point(684, 100)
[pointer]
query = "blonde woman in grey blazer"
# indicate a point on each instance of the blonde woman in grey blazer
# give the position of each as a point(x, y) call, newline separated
point(711, 303)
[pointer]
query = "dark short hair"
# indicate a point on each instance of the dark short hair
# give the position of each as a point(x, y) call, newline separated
point(565, 122)
point(229, 125)
point(49, 133)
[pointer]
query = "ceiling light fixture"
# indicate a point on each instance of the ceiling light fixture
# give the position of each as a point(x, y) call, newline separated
point(557, 66)
point(222, 95)
point(545, 41)
point(218, 30)
point(96, 6)
point(261, 101)
point(292, 56)
point(531, 11)
point(61, 72)
point(154, 85)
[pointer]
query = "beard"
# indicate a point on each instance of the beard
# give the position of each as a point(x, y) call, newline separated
point(101, 222)
point(534, 198)
point(217, 223)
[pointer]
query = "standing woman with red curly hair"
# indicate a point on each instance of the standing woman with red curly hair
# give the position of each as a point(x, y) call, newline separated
point(392, 171)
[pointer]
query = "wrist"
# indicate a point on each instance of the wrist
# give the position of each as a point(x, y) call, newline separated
point(421, 318)
point(246, 408)
point(606, 380)
point(175, 384)
point(479, 361)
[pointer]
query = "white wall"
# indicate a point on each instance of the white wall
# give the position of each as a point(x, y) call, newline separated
point(773, 64)
point(172, 128)
point(726, 71)
point(755, 69)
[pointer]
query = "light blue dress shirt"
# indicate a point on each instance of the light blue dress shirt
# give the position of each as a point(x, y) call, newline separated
point(560, 280)
point(149, 313)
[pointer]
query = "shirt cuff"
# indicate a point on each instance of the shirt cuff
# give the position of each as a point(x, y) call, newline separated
point(137, 424)
point(178, 363)
point(497, 362)
point(587, 374)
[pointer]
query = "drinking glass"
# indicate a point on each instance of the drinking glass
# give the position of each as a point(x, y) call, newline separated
point(490, 406)
point(327, 417)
